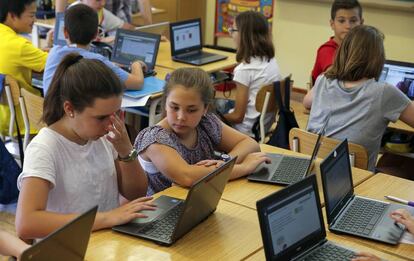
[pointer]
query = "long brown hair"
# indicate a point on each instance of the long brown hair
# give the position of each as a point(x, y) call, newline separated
point(255, 37)
point(361, 55)
point(79, 81)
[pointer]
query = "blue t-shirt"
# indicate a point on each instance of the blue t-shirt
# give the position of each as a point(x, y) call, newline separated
point(57, 53)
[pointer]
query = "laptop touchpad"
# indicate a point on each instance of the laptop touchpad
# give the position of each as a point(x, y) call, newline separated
point(163, 205)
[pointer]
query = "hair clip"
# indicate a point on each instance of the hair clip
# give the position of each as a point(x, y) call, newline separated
point(75, 60)
point(167, 77)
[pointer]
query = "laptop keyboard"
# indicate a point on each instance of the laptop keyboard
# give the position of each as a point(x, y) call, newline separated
point(290, 170)
point(362, 216)
point(164, 228)
point(330, 252)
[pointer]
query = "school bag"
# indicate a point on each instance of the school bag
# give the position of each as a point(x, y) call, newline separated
point(9, 171)
point(286, 119)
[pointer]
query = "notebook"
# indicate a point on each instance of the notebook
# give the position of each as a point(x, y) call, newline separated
point(130, 46)
point(351, 214)
point(175, 217)
point(399, 74)
point(58, 35)
point(284, 169)
point(186, 44)
point(68, 243)
point(292, 226)
point(151, 85)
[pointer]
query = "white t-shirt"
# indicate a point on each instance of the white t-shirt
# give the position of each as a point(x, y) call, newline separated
point(81, 176)
point(254, 75)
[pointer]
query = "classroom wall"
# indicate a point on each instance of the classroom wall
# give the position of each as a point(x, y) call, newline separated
point(301, 26)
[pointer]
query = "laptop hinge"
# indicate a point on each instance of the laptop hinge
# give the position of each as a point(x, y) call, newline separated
point(343, 208)
point(188, 53)
point(311, 249)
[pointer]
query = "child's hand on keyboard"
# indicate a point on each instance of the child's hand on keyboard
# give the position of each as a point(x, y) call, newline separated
point(363, 256)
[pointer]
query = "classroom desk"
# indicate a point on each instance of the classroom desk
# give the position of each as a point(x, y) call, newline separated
point(231, 233)
point(345, 242)
point(246, 193)
point(157, 16)
point(164, 59)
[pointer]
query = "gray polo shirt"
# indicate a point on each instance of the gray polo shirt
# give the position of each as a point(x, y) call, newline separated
point(360, 114)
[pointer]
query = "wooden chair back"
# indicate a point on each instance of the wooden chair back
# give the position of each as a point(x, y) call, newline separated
point(303, 141)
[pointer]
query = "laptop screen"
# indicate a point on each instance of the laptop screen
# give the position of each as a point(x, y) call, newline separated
point(185, 36)
point(134, 45)
point(337, 179)
point(58, 36)
point(399, 74)
point(293, 221)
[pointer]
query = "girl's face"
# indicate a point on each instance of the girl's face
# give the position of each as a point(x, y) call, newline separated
point(93, 121)
point(184, 108)
point(234, 32)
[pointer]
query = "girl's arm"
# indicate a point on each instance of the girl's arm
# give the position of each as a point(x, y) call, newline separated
point(238, 144)
point(307, 100)
point(11, 245)
point(242, 98)
point(132, 181)
point(407, 116)
point(33, 221)
point(170, 163)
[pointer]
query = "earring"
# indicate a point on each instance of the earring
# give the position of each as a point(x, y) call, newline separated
point(71, 115)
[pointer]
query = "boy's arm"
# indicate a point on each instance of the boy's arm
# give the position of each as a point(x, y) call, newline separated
point(145, 10)
point(135, 79)
point(11, 245)
point(60, 6)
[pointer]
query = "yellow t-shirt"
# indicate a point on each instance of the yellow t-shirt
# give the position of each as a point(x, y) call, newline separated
point(18, 58)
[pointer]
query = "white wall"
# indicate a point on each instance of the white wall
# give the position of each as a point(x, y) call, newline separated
point(301, 26)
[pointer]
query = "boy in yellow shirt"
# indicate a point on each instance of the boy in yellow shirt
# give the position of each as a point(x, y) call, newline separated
point(18, 56)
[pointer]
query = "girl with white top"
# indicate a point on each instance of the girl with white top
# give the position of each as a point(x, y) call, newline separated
point(258, 67)
point(83, 157)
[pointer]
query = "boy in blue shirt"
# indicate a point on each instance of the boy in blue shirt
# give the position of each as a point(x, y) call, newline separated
point(81, 27)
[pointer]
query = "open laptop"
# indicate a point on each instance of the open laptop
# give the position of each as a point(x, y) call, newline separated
point(399, 74)
point(58, 35)
point(130, 46)
point(351, 214)
point(186, 44)
point(284, 169)
point(162, 28)
point(292, 225)
point(175, 217)
point(68, 243)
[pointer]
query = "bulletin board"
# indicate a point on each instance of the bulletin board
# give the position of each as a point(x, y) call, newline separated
point(227, 10)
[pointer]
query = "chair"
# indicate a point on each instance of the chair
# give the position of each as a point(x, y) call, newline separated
point(266, 102)
point(32, 110)
point(303, 141)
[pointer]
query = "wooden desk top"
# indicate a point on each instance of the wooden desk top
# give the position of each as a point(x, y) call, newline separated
point(164, 59)
point(401, 126)
point(162, 72)
point(377, 187)
point(232, 232)
point(246, 193)
point(345, 242)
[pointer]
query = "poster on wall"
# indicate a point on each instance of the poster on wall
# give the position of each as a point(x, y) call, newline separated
point(227, 10)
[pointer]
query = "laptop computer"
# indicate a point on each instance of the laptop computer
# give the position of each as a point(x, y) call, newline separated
point(58, 35)
point(130, 46)
point(285, 169)
point(68, 243)
point(351, 214)
point(175, 217)
point(292, 225)
point(399, 74)
point(186, 44)
point(162, 28)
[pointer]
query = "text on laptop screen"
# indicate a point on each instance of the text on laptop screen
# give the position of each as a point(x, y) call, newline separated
point(186, 35)
point(293, 219)
point(132, 47)
point(400, 75)
point(338, 181)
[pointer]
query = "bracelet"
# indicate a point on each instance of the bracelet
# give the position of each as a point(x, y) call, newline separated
point(131, 156)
